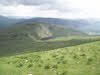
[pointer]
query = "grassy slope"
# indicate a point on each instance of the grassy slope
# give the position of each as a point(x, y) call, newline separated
point(77, 60)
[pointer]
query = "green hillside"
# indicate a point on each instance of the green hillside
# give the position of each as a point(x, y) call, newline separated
point(26, 37)
point(77, 60)
point(37, 30)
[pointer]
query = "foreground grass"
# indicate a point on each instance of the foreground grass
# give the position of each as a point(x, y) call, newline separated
point(77, 60)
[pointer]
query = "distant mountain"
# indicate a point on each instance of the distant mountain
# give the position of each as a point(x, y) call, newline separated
point(64, 22)
point(85, 25)
point(93, 26)
point(8, 21)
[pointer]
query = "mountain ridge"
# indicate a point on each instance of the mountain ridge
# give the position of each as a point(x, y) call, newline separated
point(84, 25)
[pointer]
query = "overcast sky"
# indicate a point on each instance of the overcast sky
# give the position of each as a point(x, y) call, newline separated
point(51, 8)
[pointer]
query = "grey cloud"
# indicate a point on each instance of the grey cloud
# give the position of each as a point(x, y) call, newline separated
point(52, 4)
point(26, 2)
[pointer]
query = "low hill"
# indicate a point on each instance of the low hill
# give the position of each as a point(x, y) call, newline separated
point(77, 60)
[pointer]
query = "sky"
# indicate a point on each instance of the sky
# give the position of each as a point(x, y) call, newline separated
point(50, 8)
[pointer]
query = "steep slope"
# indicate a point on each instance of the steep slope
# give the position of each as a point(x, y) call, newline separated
point(77, 60)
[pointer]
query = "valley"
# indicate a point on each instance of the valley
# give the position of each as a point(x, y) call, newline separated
point(42, 48)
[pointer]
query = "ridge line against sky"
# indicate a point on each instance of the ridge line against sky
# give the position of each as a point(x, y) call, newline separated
point(51, 8)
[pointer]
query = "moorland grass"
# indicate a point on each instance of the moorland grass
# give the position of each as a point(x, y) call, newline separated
point(76, 60)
